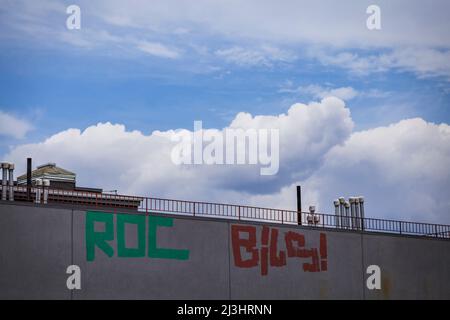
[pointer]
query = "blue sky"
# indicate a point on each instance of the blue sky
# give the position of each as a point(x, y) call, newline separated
point(160, 65)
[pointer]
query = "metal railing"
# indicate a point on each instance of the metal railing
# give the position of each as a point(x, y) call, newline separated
point(318, 220)
point(229, 211)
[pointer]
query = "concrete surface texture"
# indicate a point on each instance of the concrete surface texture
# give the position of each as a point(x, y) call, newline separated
point(134, 256)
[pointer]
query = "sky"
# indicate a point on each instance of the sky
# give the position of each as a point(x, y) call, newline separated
point(360, 112)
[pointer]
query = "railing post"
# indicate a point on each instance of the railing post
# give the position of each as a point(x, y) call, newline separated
point(436, 230)
point(239, 212)
point(282, 220)
point(400, 227)
point(194, 208)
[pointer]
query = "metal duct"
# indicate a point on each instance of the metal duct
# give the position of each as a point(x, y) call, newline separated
point(342, 211)
point(46, 184)
point(347, 214)
point(5, 167)
point(38, 190)
point(356, 210)
point(361, 212)
point(11, 182)
point(352, 206)
point(337, 213)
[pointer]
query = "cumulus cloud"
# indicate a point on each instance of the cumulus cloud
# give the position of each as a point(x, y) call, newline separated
point(12, 126)
point(401, 169)
point(134, 162)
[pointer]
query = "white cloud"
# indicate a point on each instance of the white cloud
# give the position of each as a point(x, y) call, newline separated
point(13, 127)
point(158, 49)
point(265, 56)
point(325, 22)
point(424, 62)
point(320, 92)
point(255, 33)
point(402, 169)
point(109, 156)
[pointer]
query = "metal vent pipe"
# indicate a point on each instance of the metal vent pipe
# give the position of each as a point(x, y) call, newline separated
point(46, 184)
point(5, 167)
point(337, 213)
point(361, 212)
point(352, 206)
point(347, 214)
point(38, 190)
point(342, 212)
point(299, 205)
point(357, 217)
point(11, 182)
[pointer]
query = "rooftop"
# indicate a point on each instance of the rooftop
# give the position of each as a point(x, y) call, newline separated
point(49, 170)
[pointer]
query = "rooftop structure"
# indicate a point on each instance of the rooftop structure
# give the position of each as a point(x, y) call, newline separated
point(59, 178)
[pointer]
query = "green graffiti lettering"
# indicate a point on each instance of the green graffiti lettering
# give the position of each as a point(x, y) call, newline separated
point(98, 239)
point(122, 250)
point(102, 239)
point(153, 250)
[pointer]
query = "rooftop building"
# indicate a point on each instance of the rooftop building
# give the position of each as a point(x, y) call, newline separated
point(59, 178)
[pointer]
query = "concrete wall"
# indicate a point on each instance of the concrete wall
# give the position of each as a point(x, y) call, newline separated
point(37, 244)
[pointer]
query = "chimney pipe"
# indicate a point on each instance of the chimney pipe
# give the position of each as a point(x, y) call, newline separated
point(347, 214)
point(29, 164)
point(352, 201)
point(299, 205)
point(361, 212)
point(5, 167)
point(341, 210)
point(337, 214)
point(357, 208)
point(11, 182)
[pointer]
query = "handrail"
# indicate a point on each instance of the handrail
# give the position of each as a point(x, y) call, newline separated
point(229, 211)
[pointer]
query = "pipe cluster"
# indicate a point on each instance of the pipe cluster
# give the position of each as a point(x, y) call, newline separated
point(349, 214)
point(7, 182)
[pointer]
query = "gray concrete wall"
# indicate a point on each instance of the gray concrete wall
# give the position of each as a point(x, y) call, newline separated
point(38, 243)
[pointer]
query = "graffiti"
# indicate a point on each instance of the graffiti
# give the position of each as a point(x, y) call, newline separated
point(103, 239)
point(270, 254)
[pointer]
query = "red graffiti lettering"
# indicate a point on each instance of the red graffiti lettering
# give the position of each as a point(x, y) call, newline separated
point(264, 250)
point(276, 260)
point(249, 244)
point(291, 237)
point(314, 265)
point(323, 252)
point(269, 252)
